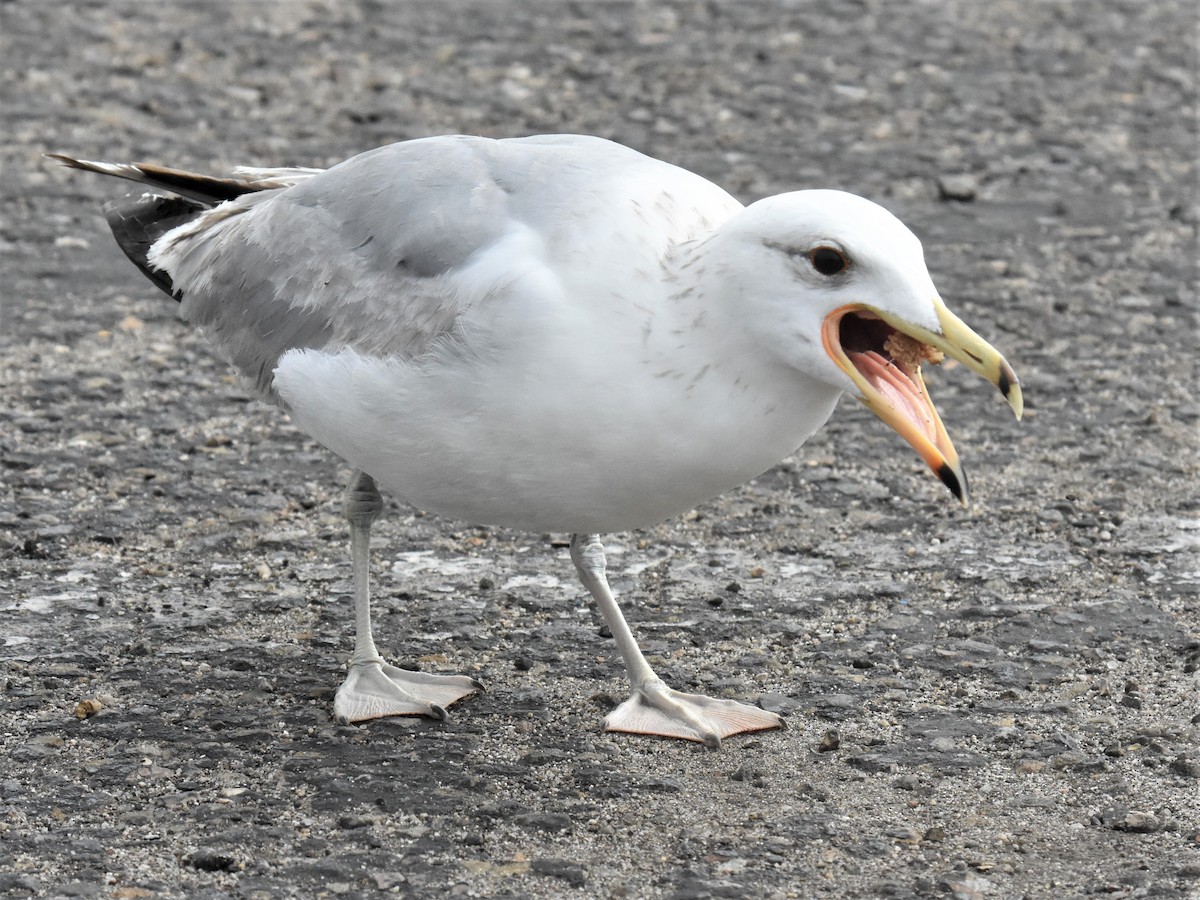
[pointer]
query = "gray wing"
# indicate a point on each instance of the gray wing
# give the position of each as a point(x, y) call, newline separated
point(358, 256)
point(375, 254)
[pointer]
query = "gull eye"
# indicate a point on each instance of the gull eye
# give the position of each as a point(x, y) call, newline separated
point(827, 260)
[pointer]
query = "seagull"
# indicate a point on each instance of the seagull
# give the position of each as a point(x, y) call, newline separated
point(553, 333)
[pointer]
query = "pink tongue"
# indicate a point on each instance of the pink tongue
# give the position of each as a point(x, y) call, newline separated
point(898, 390)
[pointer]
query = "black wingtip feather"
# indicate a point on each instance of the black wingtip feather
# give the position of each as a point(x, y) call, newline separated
point(139, 220)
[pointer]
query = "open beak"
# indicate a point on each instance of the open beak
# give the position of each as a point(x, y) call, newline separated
point(883, 354)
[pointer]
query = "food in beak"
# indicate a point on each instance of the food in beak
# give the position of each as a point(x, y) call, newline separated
point(909, 353)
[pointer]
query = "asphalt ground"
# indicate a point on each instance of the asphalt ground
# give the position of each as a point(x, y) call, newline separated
point(1013, 687)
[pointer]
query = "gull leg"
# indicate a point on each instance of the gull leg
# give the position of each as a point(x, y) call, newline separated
point(373, 689)
point(652, 707)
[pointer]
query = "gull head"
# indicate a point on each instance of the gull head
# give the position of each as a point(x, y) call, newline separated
point(835, 286)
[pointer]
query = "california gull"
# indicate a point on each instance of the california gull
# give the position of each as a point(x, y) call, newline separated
point(553, 333)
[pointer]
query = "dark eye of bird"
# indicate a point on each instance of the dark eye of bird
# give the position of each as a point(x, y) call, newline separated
point(827, 260)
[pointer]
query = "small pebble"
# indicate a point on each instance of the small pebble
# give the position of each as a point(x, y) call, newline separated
point(1138, 823)
point(962, 188)
point(85, 709)
point(208, 859)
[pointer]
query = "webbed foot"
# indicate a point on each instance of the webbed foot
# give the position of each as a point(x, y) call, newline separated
point(373, 690)
point(654, 708)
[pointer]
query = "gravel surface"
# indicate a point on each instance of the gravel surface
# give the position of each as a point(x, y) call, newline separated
point(999, 702)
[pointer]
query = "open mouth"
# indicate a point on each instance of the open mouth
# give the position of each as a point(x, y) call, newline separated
point(883, 354)
point(884, 362)
point(890, 361)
